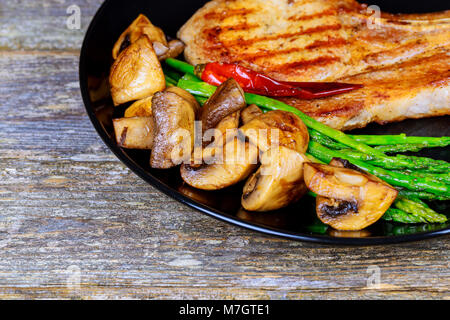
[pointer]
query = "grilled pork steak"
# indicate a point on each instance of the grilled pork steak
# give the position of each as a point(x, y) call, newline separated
point(403, 60)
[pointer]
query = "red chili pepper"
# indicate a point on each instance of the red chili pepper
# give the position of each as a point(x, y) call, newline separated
point(254, 82)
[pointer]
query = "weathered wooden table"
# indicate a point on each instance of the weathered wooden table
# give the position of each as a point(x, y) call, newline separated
point(76, 223)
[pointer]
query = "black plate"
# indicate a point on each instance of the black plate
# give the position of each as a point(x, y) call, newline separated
point(295, 222)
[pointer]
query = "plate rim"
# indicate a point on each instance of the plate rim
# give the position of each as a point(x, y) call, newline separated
point(214, 213)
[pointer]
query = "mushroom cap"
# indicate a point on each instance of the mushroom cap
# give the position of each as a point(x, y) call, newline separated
point(226, 100)
point(238, 160)
point(174, 112)
point(348, 200)
point(137, 73)
point(250, 113)
point(277, 183)
point(140, 26)
point(277, 128)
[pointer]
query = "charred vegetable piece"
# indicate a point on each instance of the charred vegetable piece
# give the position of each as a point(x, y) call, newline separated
point(279, 128)
point(277, 183)
point(237, 161)
point(134, 133)
point(253, 82)
point(141, 108)
point(141, 26)
point(137, 73)
point(174, 111)
point(348, 200)
point(250, 113)
point(228, 99)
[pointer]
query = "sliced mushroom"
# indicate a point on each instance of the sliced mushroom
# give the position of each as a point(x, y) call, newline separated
point(160, 49)
point(137, 73)
point(228, 99)
point(277, 128)
point(134, 133)
point(224, 132)
point(174, 49)
point(239, 160)
point(141, 108)
point(277, 183)
point(140, 26)
point(348, 200)
point(250, 113)
point(174, 112)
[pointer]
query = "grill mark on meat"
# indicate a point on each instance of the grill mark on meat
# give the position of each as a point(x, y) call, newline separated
point(237, 27)
point(319, 44)
point(310, 31)
point(222, 15)
point(325, 13)
point(369, 64)
point(331, 42)
point(302, 64)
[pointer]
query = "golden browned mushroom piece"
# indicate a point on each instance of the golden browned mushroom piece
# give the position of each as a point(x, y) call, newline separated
point(140, 26)
point(239, 159)
point(348, 200)
point(277, 183)
point(277, 128)
point(141, 108)
point(134, 133)
point(137, 73)
point(219, 137)
point(250, 113)
point(174, 112)
point(228, 99)
point(174, 49)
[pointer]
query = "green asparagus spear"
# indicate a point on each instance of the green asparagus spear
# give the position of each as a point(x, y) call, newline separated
point(423, 195)
point(170, 82)
point(393, 178)
point(201, 100)
point(172, 74)
point(381, 140)
point(412, 163)
point(181, 66)
point(396, 148)
point(432, 164)
point(314, 159)
point(326, 141)
point(409, 147)
point(418, 208)
point(397, 215)
point(441, 177)
point(190, 77)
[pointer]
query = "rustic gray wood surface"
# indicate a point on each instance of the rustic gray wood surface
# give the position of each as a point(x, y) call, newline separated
point(76, 223)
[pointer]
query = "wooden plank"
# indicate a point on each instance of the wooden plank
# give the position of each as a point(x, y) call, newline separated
point(42, 25)
point(70, 210)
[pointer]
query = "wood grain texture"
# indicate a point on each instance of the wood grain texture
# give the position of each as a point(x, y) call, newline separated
point(70, 209)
